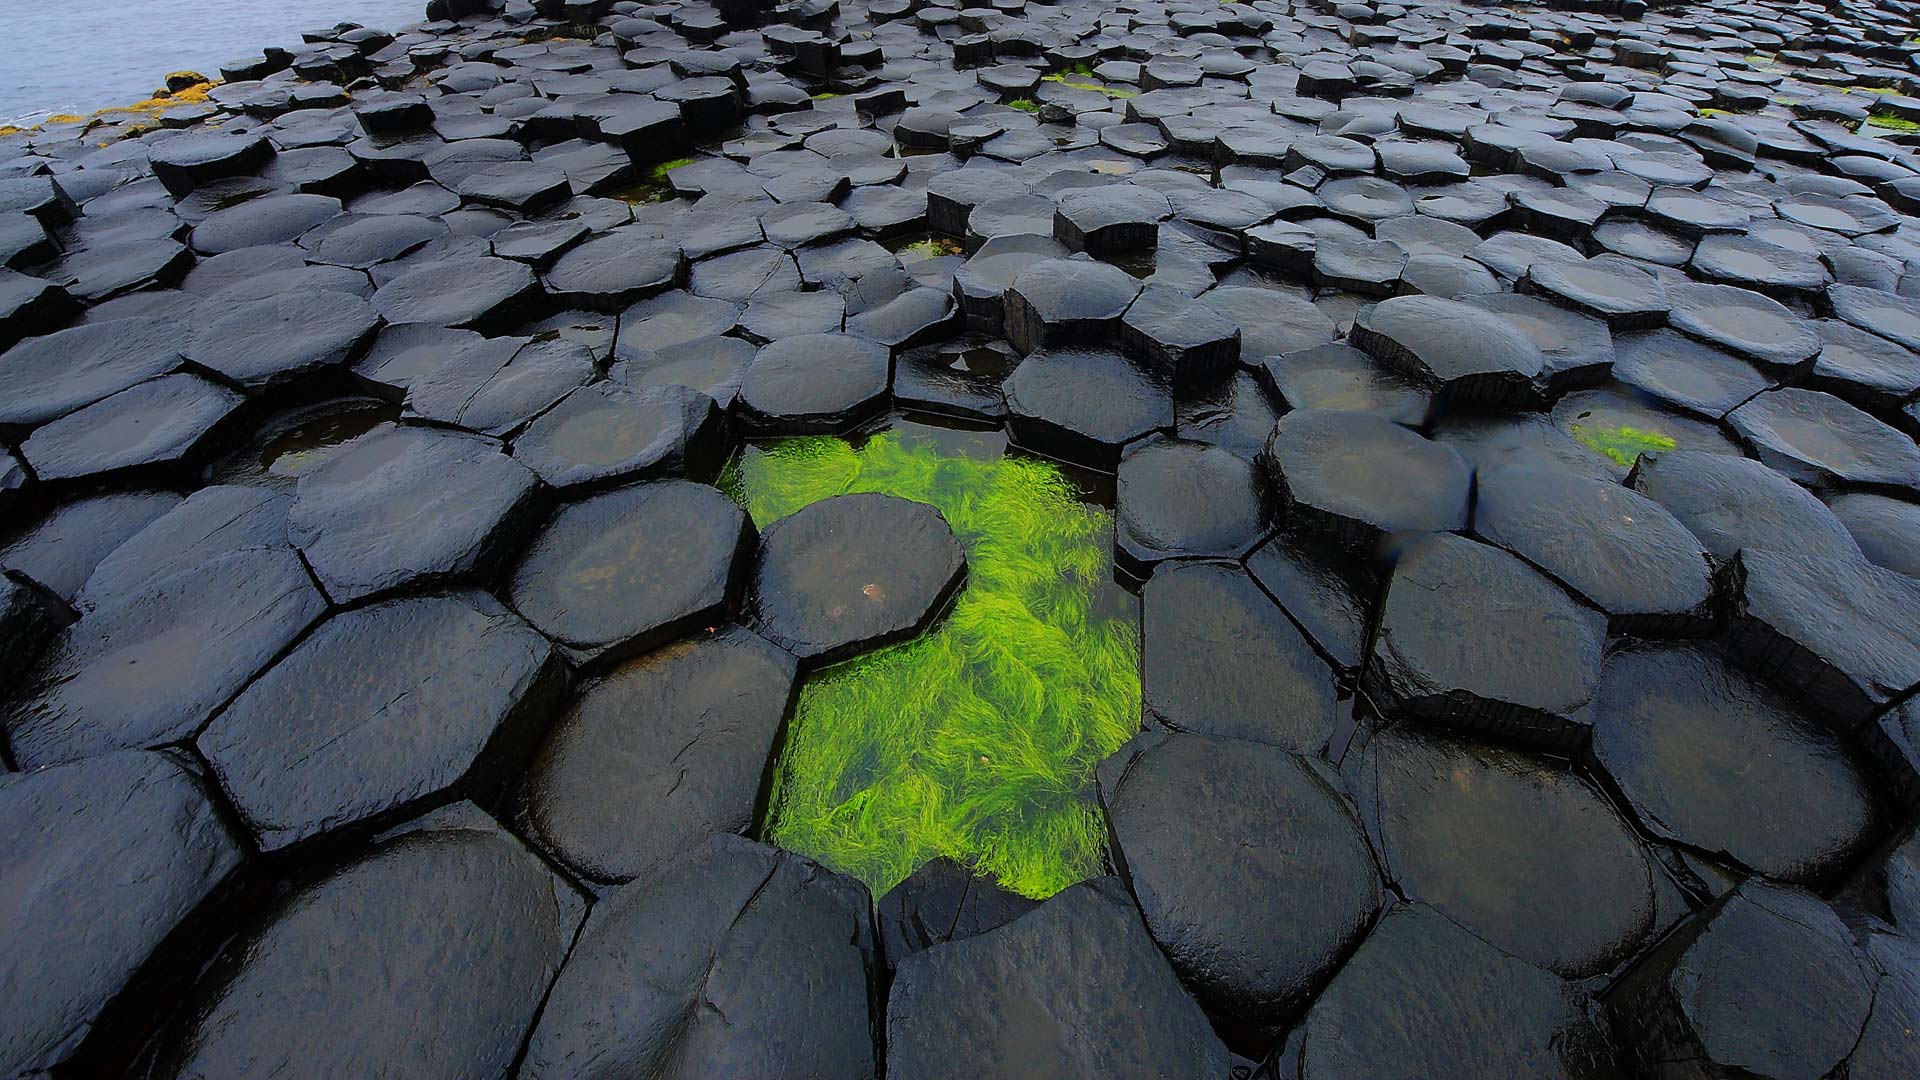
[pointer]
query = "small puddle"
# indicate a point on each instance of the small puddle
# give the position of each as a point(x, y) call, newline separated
point(978, 740)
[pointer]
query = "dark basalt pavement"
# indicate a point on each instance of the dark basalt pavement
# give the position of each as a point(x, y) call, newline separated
point(1507, 411)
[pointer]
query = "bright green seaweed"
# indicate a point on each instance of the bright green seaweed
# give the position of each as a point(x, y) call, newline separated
point(976, 741)
point(1622, 445)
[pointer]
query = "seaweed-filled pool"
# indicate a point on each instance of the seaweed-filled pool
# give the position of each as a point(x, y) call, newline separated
point(976, 740)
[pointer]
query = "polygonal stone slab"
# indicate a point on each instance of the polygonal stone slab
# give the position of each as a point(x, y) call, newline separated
point(1340, 377)
point(107, 856)
point(1730, 503)
point(1275, 690)
point(149, 667)
point(45, 378)
point(607, 433)
point(62, 549)
point(1884, 528)
point(1096, 996)
point(163, 424)
point(1083, 405)
point(941, 902)
point(630, 570)
point(1485, 836)
point(1744, 321)
point(815, 383)
point(1840, 635)
point(495, 385)
point(611, 272)
point(1704, 754)
point(1612, 545)
point(1180, 499)
point(1470, 356)
point(271, 219)
point(470, 294)
point(407, 507)
point(852, 573)
point(1823, 442)
point(1058, 303)
point(1767, 983)
point(1358, 476)
point(1380, 1017)
point(212, 522)
point(696, 970)
point(268, 343)
point(478, 922)
point(1525, 671)
point(381, 710)
point(1204, 827)
point(659, 755)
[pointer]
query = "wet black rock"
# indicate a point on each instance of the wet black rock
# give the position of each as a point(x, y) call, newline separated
point(494, 386)
point(1271, 323)
point(1499, 1016)
point(1867, 370)
point(1824, 442)
point(607, 433)
point(1842, 636)
point(1084, 405)
point(960, 378)
point(382, 711)
point(659, 755)
point(1359, 476)
point(1094, 995)
point(267, 343)
point(1526, 673)
point(1608, 287)
point(163, 425)
point(624, 572)
point(485, 294)
point(1617, 548)
point(1206, 825)
point(815, 383)
point(1058, 303)
point(1686, 374)
point(150, 667)
point(60, 550)
point(211, 522)
point(1576, 350)
point(45, 378)
point(1745, 322)
point(1185, 341)
point(695, 970)
point(1729, 503)
point(1482, 834)
point(106, 858)
point(942, 902)
point(1110, 220)
point(1883, 527)
point(1768, 983)
point(271, 219)
point(409, 507)
point(611, 272)
point(1470, 356)
point(1180, 499)
point(852, 573)
point(1704, 755)
point(479, 924)
point(1342, 378)
point(1277, 691)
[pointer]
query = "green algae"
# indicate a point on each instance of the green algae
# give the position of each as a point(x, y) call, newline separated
point(1110, 91)
point(978, 740)
point(1623, 444)
point(928, 246)
point(1024, 104)
point(1892, 123)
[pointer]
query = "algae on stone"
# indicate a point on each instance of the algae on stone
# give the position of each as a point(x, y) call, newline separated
point(1623, 444)
point(978, 740)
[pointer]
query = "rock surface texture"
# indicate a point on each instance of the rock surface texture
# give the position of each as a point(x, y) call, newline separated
point(1280, 539)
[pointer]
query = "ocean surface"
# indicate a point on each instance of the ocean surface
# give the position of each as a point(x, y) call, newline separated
point(75, 56)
